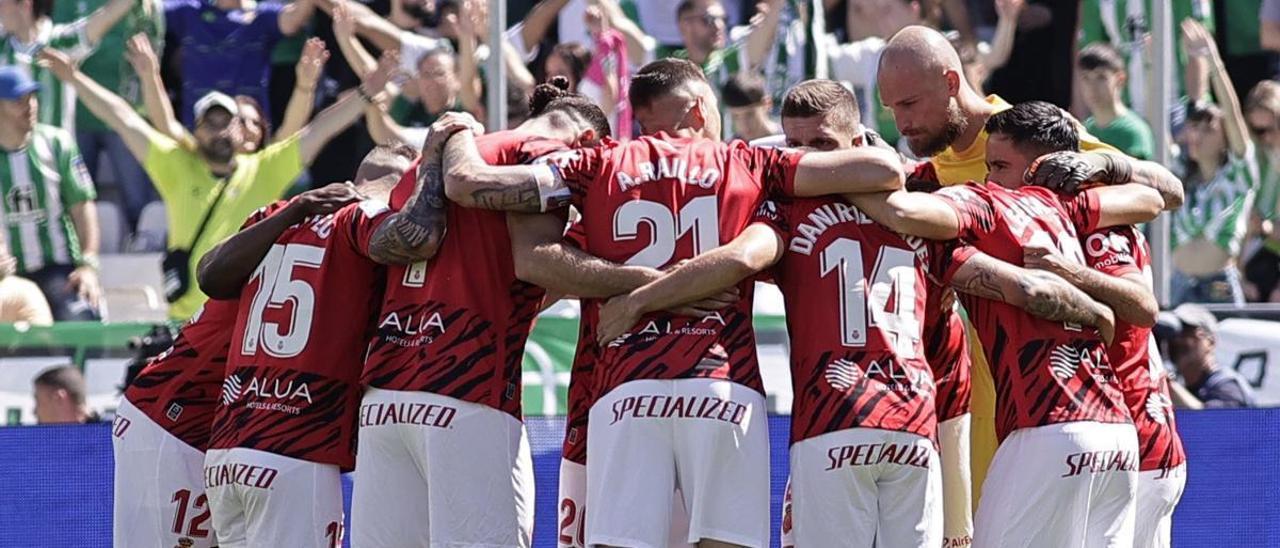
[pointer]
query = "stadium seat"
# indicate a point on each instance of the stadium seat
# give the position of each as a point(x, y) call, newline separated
point(131, 286)
point(152, 230)
point(111, 227)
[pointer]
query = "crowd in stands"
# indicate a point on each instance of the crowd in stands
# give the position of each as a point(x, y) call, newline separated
point(213, 108)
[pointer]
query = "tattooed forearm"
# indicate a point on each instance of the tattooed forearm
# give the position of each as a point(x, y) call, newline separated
point(523, 198)
point(1052, 298)
point(414, 234)
point(1161, 180)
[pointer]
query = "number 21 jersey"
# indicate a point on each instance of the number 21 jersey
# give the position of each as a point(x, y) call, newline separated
point(655, 201)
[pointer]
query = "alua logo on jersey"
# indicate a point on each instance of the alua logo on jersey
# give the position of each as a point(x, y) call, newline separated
point(844, 374)
point(263, 387)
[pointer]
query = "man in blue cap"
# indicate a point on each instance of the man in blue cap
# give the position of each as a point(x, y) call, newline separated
point(47, 213)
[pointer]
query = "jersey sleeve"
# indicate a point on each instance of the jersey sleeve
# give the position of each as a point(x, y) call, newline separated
point(1113, 251)
point(359, 222)
point(263, 212)
point(76, 186)
point(1083, 210)
point(973, 207)
point(575, 171)
point(776, 167)
point(72, 39)
point(945, 258)
point(773, 214)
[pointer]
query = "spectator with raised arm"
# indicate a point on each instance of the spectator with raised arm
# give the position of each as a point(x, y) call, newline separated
point(50, 219)
point(225, 45)
point(257, 131)
point(1208, 233)
point(107, 65)
point(25, 28)
point(209, 190)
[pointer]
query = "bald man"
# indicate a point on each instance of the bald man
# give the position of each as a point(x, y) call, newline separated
point(941, 117)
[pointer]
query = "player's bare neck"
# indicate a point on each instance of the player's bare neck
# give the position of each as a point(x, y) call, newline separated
point(976, 111)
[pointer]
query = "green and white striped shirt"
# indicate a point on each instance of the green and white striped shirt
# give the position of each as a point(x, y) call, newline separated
point(1218, 210)
point(57, 100)
point(38, 185)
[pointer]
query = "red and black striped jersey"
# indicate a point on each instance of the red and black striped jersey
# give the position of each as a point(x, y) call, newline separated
point(946, 348)
point(457, 325)
point(581, 397)
point(655, 201)
point(1045, 372)
point(305, 316)
point(178, 389)
point(855, 296)
point(1121, 251)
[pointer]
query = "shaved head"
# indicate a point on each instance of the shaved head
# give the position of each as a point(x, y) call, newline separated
point(920, 77)
point(671, 95)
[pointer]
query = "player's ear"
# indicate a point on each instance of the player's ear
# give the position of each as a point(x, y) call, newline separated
point(697, 117)
point(586, 138)
point(953, 82)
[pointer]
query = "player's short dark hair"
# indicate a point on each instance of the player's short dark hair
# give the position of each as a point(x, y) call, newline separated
point(1037, 127)
point(660, 78)
point(577, 56)
point(744, 89)
point(822, 98)
point(41, 8)
point(64, 377)
point(554, 96)
point(1100, 55)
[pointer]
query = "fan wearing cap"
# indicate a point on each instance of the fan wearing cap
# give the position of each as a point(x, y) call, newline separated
point(25, 28)
point(210, 190)
point(1192, 335)
point(50, 220)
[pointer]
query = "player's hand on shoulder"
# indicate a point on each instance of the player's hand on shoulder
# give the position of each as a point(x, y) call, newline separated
point(1039, 256)
point(445, 126)
point(1065, 171)
point(324, 200)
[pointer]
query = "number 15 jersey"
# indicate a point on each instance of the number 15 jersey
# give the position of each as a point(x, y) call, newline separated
point(305, 316)
point(653, 202)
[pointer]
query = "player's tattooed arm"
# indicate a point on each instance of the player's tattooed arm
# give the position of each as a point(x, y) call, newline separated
point(416, 231)
point(225, 268)
point(1128, 296)
point(1042, 294)
point(1066, 171)
point(471, 182)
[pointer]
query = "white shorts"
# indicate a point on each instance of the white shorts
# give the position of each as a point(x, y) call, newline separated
point(438, 471)
point(957, 483)
point(851, 486)
point(1158, 494)
point(1070, 484)
point(264, 499)
point(159, 486)
point(572, 520)
point(709, 438)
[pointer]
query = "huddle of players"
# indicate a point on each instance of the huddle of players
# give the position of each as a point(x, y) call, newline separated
point(331, 318)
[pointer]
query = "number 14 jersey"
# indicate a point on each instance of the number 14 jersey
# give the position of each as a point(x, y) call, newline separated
point(854, 293)
point(305, 316)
